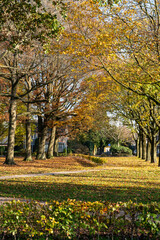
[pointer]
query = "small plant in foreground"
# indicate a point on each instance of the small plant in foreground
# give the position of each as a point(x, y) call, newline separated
point(73, 219)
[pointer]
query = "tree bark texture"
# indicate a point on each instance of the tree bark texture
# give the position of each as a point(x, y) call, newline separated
point(28, 154)
point(153, 149)
point(39, 133)
point(143, 146)
point(148, 153)
point(11, 132)
point(51, 143)
point(42, 142)
point(159, 148)
point(137, 147)
point(140, 144)
point(56, 146)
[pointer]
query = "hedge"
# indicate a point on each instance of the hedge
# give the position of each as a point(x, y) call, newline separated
point(97, 160)
point(73, 219)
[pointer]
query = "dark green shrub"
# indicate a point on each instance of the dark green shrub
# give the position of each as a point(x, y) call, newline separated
point(120, 151)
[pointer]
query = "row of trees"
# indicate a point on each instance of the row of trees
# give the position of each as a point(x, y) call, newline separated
point(122, 44)
point(35, 83)
point(141, 114)
point(66, 64)
point(41, 85)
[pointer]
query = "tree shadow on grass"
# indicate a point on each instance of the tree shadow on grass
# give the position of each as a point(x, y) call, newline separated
point(56, 162)
point(85, 162)
point(45, 191)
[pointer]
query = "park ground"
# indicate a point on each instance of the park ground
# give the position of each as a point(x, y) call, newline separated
point(119, 179)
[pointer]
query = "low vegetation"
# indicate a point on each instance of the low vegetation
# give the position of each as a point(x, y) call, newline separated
point(97, 160)
point(79, 220)
point(120, 151)
point(117, 199)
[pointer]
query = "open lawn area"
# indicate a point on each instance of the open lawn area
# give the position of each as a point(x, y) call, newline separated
point(121, 179)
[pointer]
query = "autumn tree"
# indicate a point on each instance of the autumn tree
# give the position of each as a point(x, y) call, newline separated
point(61, 95)
point(24, 25)
point(122, 42)
point(140, 112)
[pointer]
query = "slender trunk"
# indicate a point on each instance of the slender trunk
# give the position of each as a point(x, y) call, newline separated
point(11, 132)
point(140, 144)
point(137, 147)
point(39, 133)
point(95, 150)
point(51, 143)
point(159, 148)
point(148, 155)
point(153, 149)
point(28, 155)
point(56, 147)
point(41, 147)
point(143, 145)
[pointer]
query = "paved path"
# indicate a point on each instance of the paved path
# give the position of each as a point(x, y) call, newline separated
point(6, 199)
point(56, 173)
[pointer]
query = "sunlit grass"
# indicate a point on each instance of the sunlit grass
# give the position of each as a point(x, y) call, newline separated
point(122, 179)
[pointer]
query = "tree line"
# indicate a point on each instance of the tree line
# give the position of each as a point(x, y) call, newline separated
point(61, 62)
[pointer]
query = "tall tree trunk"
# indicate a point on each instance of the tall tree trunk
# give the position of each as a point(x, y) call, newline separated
point(28, 154)
point(56, 146)
point(143, 146)
point(11, 132)
point(51, 143)
point(159, 148)
point(140, 144)
point(137, 147)
point(40, 127)
point(148, 154)
point(41, 146)
point(153, 148)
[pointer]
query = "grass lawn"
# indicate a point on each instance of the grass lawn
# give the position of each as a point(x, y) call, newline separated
point(44, 166)
point(122, 179)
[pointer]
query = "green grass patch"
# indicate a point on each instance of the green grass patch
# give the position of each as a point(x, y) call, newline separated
point(112, 185)
point(119, 179)
point(105, 193)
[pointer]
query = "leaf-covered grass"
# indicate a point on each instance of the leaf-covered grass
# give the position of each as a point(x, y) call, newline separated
point(69, 163)
point(44, 166)
point(122, 179)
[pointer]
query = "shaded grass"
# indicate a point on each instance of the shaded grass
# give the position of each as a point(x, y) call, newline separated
point(44, 166)
point(70, 163)
point(136, 180)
